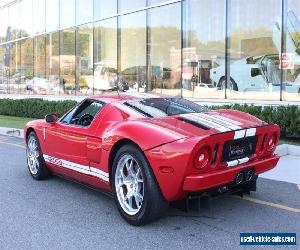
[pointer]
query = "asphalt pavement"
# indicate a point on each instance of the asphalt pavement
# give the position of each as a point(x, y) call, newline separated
point(60, 214)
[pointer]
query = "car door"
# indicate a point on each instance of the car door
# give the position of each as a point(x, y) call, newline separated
point(66, 140)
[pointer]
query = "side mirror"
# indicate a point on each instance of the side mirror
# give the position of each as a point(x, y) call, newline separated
point(255, 72)
point(52, 118)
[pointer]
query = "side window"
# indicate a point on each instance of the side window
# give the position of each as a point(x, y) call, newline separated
point(83, 114)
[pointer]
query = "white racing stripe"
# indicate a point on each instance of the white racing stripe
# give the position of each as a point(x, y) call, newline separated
point(205, 122)
point(239, 134)
point(218, 119)
point(77, 167)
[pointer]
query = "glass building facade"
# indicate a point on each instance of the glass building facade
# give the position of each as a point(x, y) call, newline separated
point(234, 49)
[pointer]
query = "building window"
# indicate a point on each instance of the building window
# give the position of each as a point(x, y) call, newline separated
point(14, 68)
point(204, 48)
point(40, 86)
point(67, 13)
point(164, 51)
point(52, 62)
point(105, 55)
point(255, 48)
point(52, 15)
point(84, 11)
point(84, 65)
point(291, 66)
point(67, 62)
point(4, 24)
point(14, 20)
point(132, 72)
point(39, 10)
point(27, 65)
point(128, 5)
point(104, 8)
point(26, 18)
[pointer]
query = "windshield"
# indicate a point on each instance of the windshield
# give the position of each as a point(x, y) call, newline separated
point(162, 107)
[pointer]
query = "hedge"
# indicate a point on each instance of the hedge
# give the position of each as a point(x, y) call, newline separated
point(34, 108)
point(287, 117)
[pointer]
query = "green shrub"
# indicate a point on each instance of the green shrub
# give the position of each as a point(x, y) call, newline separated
point(34, 108)
point(287, 117)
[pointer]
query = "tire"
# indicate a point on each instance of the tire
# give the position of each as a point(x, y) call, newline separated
point(35, 160)
point(137, 182)
point(233, 85)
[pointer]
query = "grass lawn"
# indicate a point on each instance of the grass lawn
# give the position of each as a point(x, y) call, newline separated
point(13, 122)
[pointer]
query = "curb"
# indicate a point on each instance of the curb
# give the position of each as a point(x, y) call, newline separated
point(287, 149)
point(281, 150)
point(12, 132)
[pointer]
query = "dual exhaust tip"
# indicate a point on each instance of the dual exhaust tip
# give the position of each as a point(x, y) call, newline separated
point(244, 176)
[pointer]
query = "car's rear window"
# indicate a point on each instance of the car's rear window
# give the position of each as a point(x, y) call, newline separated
point(162, 107)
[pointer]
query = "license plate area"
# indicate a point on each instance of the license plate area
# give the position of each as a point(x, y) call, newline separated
point(240, 148)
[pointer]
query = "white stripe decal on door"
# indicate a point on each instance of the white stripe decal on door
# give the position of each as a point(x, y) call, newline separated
point(77, 167)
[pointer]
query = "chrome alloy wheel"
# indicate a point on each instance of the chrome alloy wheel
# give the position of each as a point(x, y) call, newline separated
point(32, 151)
point(129, 184)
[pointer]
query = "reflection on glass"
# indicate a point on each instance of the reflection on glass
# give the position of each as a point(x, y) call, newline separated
point(27, 65)
point(4, 24)
point(38, 16)
point(291, 63)
point(67, 61)
point(254, 50)
point(128, 5)
point(84, 11)
point(26, 18)
point(14, 19)
point(165, 50)
point(52, 62)
point(105, 55)
point(52, 15)
point(104, 8)
point(154, 2)
point(85, 59)
point(204, 48)
point(132, 74)
point(39, 85)
point(14, 68)
point(67, 13)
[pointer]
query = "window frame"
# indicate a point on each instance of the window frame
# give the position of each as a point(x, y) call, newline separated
point(74, 109)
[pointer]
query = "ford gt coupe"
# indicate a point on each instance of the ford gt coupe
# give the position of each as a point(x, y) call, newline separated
point(150, 150)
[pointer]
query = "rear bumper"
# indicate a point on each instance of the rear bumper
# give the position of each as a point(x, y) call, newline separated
point(210, 180)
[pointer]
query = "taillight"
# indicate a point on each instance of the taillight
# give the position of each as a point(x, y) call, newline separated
point(271, 142)
point(202, 158)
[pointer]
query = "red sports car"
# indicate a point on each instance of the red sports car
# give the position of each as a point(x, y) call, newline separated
point(149, 150)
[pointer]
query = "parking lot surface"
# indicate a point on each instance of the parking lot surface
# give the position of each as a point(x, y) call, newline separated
point(59, 214)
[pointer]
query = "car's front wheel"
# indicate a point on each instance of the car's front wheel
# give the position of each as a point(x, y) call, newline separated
point(137, 194)
point(35, 161)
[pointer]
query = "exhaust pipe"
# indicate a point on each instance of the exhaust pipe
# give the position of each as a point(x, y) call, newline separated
point(239, 178)
point(249, 175)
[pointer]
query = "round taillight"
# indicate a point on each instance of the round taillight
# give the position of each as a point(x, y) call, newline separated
point(202, 158)
point(271, 143)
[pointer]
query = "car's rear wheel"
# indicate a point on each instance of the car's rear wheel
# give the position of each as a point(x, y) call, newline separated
point(137, 194)
point(35, 161)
